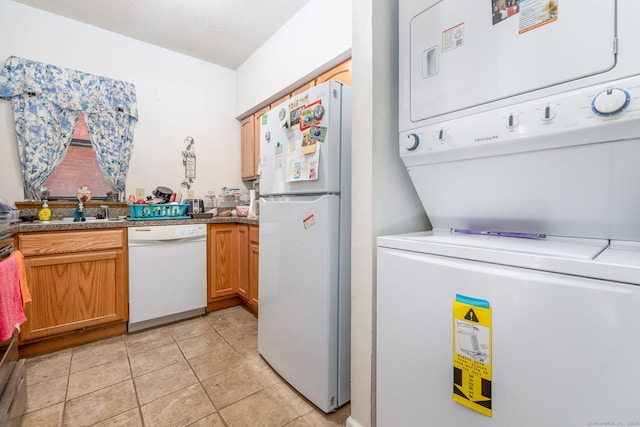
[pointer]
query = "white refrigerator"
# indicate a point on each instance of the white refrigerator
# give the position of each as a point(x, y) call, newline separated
point(305, 213)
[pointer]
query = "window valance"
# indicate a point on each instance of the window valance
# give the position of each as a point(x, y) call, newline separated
point(69, 89)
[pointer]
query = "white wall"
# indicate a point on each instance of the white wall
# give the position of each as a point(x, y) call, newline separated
point(177, 95)
point(317, 38)
point(383, 193)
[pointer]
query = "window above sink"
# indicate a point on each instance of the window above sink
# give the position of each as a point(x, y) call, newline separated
point(79, 167)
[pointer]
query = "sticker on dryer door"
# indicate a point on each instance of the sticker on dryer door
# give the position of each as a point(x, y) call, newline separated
point(309, 222)
point(503, 9)
point(472, 353)
point(536, 13)
point(453, 38)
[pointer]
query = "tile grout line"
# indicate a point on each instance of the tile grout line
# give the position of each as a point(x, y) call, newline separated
point(66, 390)
point(196, 375)
point(133, 382)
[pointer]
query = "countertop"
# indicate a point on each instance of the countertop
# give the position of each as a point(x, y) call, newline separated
point(25, 227)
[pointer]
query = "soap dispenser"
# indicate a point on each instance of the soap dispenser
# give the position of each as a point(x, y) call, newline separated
point(45, 213)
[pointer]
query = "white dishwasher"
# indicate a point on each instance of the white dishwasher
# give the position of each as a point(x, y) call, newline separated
point(167, 274)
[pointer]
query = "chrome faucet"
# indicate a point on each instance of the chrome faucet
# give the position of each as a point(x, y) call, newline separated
point(106, 211)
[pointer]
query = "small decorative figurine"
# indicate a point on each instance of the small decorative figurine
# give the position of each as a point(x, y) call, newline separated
point(83, 195)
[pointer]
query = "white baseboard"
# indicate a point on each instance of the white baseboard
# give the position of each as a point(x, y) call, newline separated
point(352, 423)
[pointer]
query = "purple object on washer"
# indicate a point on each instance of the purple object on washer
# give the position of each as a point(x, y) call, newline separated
point(500, 233)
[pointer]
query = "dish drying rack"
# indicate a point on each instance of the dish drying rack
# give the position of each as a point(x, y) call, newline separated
point(144, 212)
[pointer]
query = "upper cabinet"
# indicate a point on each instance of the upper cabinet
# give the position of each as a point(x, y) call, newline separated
point(305, 87)
point(250, 140)
point(341, 73)
point(247, 138)
point(250, 126)
point(257, 120)
point(275, 103)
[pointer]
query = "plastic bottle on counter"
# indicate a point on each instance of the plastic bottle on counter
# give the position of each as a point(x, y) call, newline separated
point(45, 213)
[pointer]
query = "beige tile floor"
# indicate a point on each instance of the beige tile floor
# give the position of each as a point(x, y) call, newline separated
point(200, 372)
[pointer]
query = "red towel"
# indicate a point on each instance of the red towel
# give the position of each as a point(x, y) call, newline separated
point(11, 314)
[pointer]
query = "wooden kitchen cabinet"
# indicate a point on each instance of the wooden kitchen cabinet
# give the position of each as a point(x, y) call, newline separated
point(77, 280)
point(277, 102)
point(248, 265)
point(222, 259)
point(305, 87)
point(233, 266)
point(256, 140)
point(341, 73)
point(250, 145)
point(243, 261)
point(247, 148)
point(254, 256)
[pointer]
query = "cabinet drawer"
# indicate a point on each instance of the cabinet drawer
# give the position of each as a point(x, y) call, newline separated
point(57, 242)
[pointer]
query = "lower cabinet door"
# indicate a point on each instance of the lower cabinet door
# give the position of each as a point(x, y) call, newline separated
point(223, 260)
point(74, 291)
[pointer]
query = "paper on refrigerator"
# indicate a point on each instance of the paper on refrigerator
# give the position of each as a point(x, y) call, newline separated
point(302, 159)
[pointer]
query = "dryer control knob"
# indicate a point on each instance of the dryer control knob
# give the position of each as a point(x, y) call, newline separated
point(511, 121)
point(548, 113)
point(411, 142)
point(610, 102)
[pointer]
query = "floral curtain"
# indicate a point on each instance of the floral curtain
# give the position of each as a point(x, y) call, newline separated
point(44, 132)
point(47, 101)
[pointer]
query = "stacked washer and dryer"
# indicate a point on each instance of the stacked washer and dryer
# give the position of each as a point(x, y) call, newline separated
point(522, 138)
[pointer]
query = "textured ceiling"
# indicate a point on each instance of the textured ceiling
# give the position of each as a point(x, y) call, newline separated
point(224, 32)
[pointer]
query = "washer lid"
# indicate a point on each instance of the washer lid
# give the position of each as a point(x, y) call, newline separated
point(443, 242)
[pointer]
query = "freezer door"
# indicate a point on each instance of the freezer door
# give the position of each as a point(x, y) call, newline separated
point(299, 286)
point(562, 352)
point(302, 142)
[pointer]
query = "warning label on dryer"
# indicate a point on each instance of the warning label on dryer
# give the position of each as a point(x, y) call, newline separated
point(453, 37)
point(472, 353)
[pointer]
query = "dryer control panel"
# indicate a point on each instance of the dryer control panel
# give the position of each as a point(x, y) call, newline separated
point(606, 112)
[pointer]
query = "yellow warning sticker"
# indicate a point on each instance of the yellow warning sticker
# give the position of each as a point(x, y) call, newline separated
point(472, 353)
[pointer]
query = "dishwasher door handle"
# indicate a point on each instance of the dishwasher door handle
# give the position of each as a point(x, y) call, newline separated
point(177, 240)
